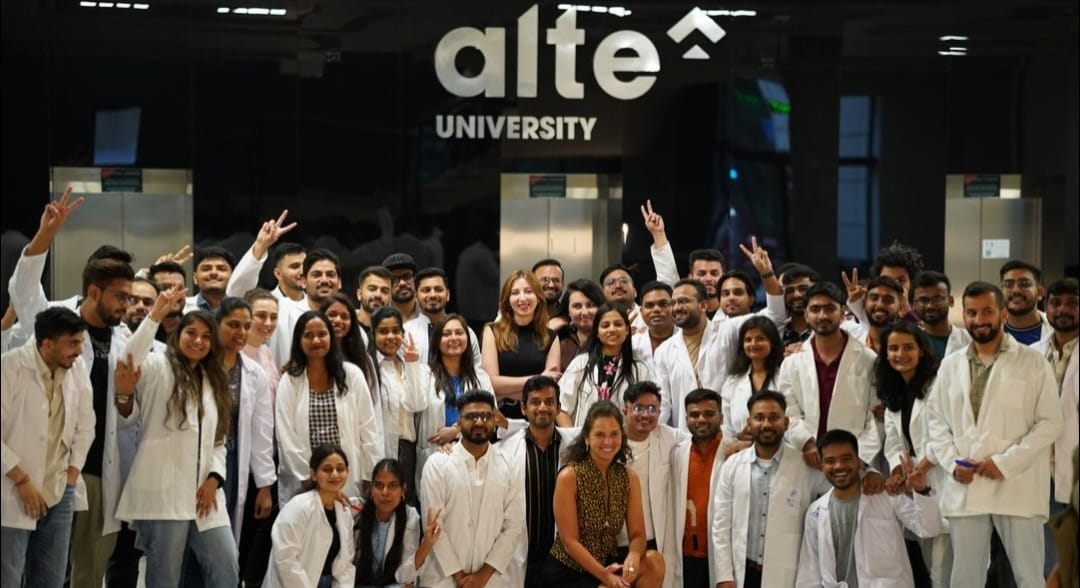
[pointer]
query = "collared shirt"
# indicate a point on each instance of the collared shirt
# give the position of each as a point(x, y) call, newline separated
point(762, 479)
point(1060, 361)
point(56, 452)
point(202, 303)
point(477, 469)
point(826, 378)
point(980, 374)
point(789, 335)
point(541, 469)
point(696, 537)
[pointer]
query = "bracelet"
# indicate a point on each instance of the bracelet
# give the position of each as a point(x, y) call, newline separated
point(24, 480)
point(123, 398)
point(767, 275)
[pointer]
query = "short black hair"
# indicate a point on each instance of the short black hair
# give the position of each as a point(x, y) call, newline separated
point(55, 322)
point(978, 288)
point(1019, 264)
point(538, 382)
point(476, 395)
point(737, 275)
point(1063, 287)
point(635, 391)
point(763, 395)
point(794, 271)
point(111, 252)
point(898, 255)
point(429, 272)
point(702, 395)
point(166, 267)
point(612, 268)
point(655, 285)
point(826, 289)
point(99, 272)
point(316, 255)
point(930, 279)
point(838, 437)
point(887, 282)
point(706, 255)
point(546, 262)
point(696, 284)
point(375, 270)
point(214, 252)
point(288, 248)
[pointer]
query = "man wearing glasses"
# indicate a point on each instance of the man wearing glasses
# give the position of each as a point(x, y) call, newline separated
point(403, 289)
point(651, 445)
point(1021, 283)
point(482, 504)
point(619, 290)
point(549, 272)
point(933, 299)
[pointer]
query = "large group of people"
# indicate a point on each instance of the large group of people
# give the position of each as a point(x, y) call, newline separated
point(300, 436)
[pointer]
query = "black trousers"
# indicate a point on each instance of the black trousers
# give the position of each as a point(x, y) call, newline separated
point(695, 572)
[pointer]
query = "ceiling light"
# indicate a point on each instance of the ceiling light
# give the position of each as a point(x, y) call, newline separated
point(141, 6)
point(88, 4)
point(123, 4)
point(278, 12)
point(731, 13)
point(223, 10)
point(961, 49)
point(953, 38)
point(259, 11)
point(105, 4)
point(240, 11)
point(953, 53)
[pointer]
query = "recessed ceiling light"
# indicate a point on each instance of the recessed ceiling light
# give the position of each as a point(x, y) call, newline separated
point(278, 12)
point(88, 4)
point(223, 10)
point(953, 38)
point(141, 6)
point(962, 49)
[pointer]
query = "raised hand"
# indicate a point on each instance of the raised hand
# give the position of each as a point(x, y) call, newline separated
point(915, 478)
point(654, 223)
point(269, 233)
point(759, 257)
point(166, 302)
point(55, 215)
point(855, 291)
point(185, 253)
point(409, 350)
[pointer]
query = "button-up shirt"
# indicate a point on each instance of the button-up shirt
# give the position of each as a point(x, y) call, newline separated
point(541, 469)
point(761, 483)
point(980, 374)
point(56, 453)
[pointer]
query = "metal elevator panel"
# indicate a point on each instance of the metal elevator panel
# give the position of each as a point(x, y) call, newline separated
point(147, 224)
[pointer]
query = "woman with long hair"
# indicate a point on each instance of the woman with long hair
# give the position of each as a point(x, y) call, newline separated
point(354, 348)
point(451, 372)
point(604, 371)
point(264, 318)
point(578, 308)
point(402, 382)
point(323, 399)
point(595, 494)
point(518, 345)
point(250, 446)
point(389, 551)
point(754, 365)
point(313, 534)
point(175, 493)
point(903, 375)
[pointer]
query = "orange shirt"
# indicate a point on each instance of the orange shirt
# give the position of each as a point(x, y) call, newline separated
point(697, 533)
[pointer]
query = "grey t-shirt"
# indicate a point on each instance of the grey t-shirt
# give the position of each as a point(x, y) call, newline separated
point(843, 516)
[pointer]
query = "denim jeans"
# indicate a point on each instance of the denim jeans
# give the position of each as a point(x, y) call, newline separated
point(42, 552)
point(164, 543)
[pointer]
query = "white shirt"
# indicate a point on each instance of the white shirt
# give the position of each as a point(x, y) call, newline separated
point(301, 541)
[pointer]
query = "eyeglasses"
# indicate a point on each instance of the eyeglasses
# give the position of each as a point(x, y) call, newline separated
point(404, 278)
point(925, 300)
point(649, 409)
point(478, 417)
point(624, 281)
point(1022, 283)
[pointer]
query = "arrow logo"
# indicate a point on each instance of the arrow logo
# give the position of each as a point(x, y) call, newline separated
point(696, 20)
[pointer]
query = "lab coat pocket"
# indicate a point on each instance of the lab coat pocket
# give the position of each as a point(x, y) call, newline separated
point(878, 545)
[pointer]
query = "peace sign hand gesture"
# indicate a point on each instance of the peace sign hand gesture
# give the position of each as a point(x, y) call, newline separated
point(855, 291)
point(409, 350)
point(166, 302)
point(758, 256)
point(654, 223)
point(180, 256)
point(54, 217)
point(269, 233)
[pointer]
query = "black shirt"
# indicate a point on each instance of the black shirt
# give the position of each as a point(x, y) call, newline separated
point(335, 544)
point(101, 340)
point(541, 468)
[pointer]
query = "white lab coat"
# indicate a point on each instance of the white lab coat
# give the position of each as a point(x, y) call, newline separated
point(578, 391)
point(680, 472)
point(675, 374)
point(796, 485)
point(643, 349)
point(662, 443)
point(25, 423)
point(879, 540)
point(853, 396)
point(245, 276)
point(959, 338)
point(734, 394)
point(433, 416)
point(172, 461)
point(301, 541)
point(360, 436)
point(255, 437)
point(469, 539)
point(1070, 431)
point(896, 444)
point(406, 572)
point(513, 447)
point(418, 328)
point(1020, 417)
point(398, 394)
point(29, 299)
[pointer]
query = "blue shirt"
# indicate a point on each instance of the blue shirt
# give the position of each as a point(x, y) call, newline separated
point(1029, 336)
point(451, 404)
point(761, 483)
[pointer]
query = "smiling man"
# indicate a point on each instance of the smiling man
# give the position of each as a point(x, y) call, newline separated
point(1021, 284)
point(549, 272)
point(432, 296)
